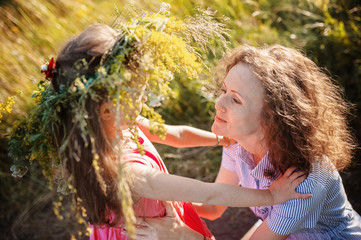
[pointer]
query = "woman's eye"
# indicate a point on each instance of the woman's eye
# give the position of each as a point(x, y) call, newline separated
point(223, 90)
point(236, 100)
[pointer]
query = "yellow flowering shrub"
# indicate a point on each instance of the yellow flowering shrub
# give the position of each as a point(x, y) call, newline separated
point(7, 107)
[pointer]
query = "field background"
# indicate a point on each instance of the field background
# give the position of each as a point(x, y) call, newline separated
point(328, 31)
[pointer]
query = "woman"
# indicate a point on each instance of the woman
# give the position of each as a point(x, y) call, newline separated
point(283, 111)
point(93, 162)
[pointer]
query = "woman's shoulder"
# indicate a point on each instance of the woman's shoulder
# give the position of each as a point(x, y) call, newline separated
point(321, 179)
point(323, 172)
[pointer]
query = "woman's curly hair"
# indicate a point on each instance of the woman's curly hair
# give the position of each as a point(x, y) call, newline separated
point(304, 113)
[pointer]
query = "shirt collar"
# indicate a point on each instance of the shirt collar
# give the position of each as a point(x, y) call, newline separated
point(246, 157)
point(257, 172)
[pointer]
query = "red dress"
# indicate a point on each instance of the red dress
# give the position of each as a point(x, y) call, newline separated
point(150, 207)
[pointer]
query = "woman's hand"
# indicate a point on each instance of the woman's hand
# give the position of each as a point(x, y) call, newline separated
point(167, 227)
point(284, 187)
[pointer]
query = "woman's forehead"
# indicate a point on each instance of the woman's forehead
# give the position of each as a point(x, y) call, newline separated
point(241, 79)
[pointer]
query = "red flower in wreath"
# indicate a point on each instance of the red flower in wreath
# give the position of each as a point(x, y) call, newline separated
point(48, 68)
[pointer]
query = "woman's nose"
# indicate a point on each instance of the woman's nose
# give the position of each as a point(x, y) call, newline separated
point(219, 104)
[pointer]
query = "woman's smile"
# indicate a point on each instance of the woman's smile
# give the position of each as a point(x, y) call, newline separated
point(219, 119)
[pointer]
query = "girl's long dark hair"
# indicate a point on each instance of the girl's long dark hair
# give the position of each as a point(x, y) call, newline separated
point(90, 47)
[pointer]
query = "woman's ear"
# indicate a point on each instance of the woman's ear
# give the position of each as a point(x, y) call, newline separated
point(106, 111)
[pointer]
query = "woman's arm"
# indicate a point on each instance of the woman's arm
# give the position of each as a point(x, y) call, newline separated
point(213, 212)
point(169, 227)
point(182, 136)
point(150, 183)
point(263, 232)
point(288, 217)
point(250, 231)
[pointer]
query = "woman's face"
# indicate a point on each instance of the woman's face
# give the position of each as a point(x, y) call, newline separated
point(239, 106)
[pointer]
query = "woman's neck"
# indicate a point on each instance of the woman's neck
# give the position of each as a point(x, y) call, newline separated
point(258, 149)
point(258, 157)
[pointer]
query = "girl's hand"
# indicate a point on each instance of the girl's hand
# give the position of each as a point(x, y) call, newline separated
point(284, 187)
point(225, 141)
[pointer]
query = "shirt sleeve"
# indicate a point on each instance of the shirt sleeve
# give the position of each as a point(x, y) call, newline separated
point(296, 214)
point(229, 157)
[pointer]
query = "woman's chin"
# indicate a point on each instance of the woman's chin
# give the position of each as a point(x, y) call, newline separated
point(216, 130)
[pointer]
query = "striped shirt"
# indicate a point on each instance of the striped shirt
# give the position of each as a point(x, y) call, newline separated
point(327, 215)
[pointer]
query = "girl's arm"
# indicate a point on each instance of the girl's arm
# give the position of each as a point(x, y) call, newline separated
point(182, 136)
point(150, 183)
point(213, 212)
